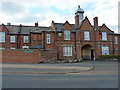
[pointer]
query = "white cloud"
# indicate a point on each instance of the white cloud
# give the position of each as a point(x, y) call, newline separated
point(18, 11)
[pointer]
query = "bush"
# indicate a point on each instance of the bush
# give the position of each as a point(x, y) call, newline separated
point(109, 56)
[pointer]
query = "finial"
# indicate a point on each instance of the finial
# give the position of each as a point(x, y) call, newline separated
point(78, 6)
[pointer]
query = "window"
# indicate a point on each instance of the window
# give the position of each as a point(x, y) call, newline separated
point(67, 51)
point(48, 38)
point(66, 34)
point(25, 39)
point(105, 50)
point(12, 48)
point(104, 36)
point(2, 48)
point(12, 39)
point(116, 40)
point(86, 35)
point(25, 47)
point(59, 34)
point(2, 37)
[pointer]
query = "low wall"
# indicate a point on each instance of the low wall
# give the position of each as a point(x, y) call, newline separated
point(48, 55)
point(26, 56)
point(20, 56)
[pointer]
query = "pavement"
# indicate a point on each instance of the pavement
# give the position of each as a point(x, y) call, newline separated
point(45, 68)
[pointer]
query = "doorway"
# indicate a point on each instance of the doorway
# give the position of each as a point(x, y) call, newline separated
point(87, 52)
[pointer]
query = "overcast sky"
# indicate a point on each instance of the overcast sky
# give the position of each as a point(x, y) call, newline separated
point(27, 12)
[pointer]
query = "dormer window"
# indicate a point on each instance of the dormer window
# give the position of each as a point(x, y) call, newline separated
point(66, 34)
point(104, 36)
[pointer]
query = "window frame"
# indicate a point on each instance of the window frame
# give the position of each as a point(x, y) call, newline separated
point(2, 48)
point(104, 38)
point(88, 35)
point(103, 51)
point(14, 39)
point(12, 48)
point(2, 38)
point(25, 47)
point(67, 51)
point(48, 41)
point(26, 38)
point(67, 34)
point(116, 39)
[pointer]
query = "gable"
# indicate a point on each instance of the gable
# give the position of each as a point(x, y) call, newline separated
point(66, 25)
point(86, 25)
point(59, 26)
point(105, 28)
point(3, 28)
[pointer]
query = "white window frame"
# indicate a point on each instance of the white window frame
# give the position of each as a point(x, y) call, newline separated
point(48, 38)
point(66, 34)
point(25, 39)
point(105, 50)
point(67, 51)
point(12, 48)
point(116, 39)
point(104, 36)
point(2, 48)
point(87, 35)
point(25, 47)
point(12, 39)
point(2, 37)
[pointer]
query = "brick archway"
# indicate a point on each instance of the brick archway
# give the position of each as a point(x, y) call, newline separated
point(87, 52)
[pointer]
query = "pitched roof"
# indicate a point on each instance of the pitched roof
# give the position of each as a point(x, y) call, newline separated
point(13, 29)
point(27, 29)
point(58, 27)
point(19, 29)
point(40, 29)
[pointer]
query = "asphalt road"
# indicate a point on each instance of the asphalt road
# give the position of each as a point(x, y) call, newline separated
point(104, 75)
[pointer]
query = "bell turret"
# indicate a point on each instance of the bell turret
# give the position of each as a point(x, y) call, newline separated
point(79, 16)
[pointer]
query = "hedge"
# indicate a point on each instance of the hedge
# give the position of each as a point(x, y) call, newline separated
point(109, 56)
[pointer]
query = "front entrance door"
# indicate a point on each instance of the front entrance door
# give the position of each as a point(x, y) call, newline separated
point(92, 55)
point(87, 52)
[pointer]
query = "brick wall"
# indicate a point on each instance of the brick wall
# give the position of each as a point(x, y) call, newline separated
point(48, 55)
point(27, 56)
point(20, 56)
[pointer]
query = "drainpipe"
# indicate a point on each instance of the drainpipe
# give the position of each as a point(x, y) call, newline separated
point(44, 40)
point(113, 42)
point(75, 47)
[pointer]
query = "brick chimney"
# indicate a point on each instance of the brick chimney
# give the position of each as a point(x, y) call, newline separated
point(36, 24)
point(95, 19)
point(76, 21)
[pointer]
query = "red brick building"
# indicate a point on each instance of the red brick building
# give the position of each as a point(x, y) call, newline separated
point(62, 40)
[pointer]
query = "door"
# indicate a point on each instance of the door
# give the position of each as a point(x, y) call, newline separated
point(92, 54)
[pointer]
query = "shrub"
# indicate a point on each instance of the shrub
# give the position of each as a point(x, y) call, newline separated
point(109, 56)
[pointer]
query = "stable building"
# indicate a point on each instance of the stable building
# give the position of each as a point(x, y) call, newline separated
point(60, 41)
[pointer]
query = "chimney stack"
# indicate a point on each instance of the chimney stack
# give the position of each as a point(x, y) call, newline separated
point(36, 24)
point(95, 19)
point(76, 21)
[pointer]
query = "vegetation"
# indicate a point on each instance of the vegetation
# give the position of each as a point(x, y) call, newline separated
point(109, 57)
